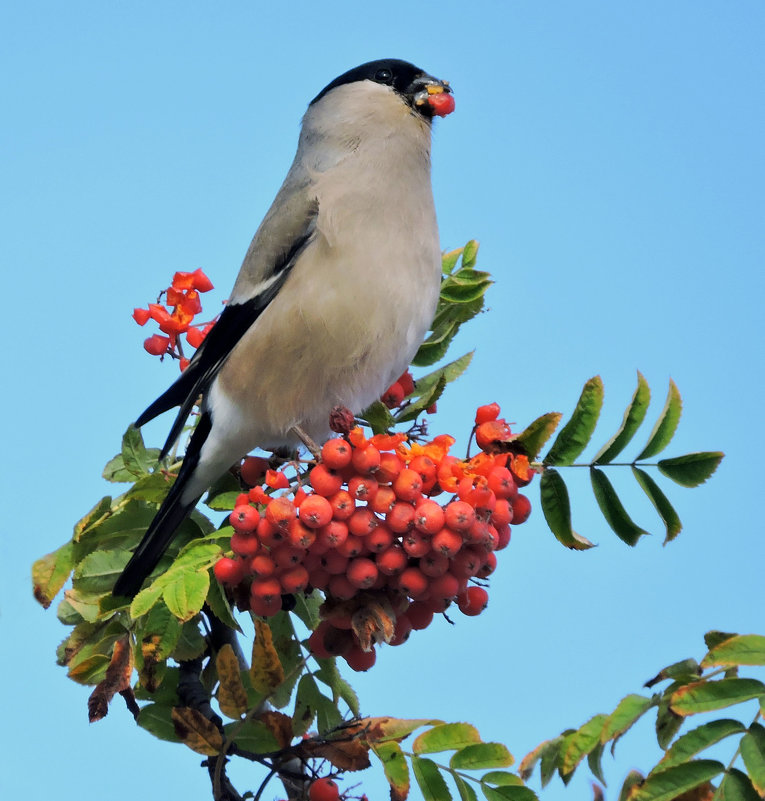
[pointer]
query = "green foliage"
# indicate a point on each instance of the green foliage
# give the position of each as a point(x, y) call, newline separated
point(689, 470)
point(694, 688)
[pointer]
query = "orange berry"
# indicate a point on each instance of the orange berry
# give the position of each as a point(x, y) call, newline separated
point(383, 500)
point(521, 509)
point(262, 565)
point(379, 539)
point(229, 571)
point(459, 516)
point(244, 543)
point(390, 467)
point(413, 582)
point(400, 518)
point(325, 481)
point(392, 560)
point(363, 488)
point(280, 511)
point(473, 601)
point(366, 460)
point(333, 534)
point(315, 511)
point(323, 790)
point(336, 453)
point(253, 469)
point(141, 316)
point(294, 580)
point(429, 517)
point(362, 572)
point(408, 485)
point(487, 413)
point(352, 546)
point(299, 534)
point(363, 521)
point(244, 518)
point(415, 544)
point(358, 660)
point(342, 504)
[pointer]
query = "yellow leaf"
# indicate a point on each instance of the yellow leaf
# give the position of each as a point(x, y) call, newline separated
point(232, 697)
point(266, 672)
point(196, 731)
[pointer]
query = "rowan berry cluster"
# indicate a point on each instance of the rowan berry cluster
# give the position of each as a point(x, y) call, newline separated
point(176, 315)
point(368, 532)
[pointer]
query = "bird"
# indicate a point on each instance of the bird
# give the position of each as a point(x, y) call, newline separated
point(336, 292)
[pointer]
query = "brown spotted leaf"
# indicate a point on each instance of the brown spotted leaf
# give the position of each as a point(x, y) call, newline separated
point(279, 724)
point(351, 754)
point(232, 697)
point(116, 680)
point(266, 671)
point(196, 731)
point(49, 574)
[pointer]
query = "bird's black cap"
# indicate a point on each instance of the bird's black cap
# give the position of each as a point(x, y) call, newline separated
point(401, 75)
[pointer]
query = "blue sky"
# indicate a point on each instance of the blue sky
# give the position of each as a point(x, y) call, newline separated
point(609, 158)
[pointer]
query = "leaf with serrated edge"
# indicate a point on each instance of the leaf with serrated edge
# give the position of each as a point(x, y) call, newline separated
point(557, 510)
point(577, 745)
point(661, 503)
point(449, 259)
point(753, 754)
point(696, 740)
point(532, 439)
point(98, 571)
point(612, 509)
point(396, 770)
point(425, 384)
point(666, 425)
point(743, 649)
point(447, 737)
point(252, 735)
point(574, 436)
point(381, 729)
point(508, 793)
point(671, 783)
point(594, 759)
point(186, 594)
point(410, 412)
point(432, 784)
point(470, 254)
point(628, 711)
point(692, 469)
point(157, 720)
point(481, 756)
point(633, 418)
point(266, 670)
point(216, 599)
point(736, 786)
point(502, 778)
point(145, 600)
point(466, 791)
point(706, 696)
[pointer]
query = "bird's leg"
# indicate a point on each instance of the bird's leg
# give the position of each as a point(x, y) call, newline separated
point(307, 441)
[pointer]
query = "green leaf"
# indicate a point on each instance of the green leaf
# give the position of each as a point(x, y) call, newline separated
point(456, 291)
point(449, 260)
point(753, 754)
point(713, 638)
point(330, 675)
point(191, 643)
point(668, 723)
point(307, 700)
point(138, 459)
point(394, 765)
point(470, 254)
point(218, 603)
point(379, 417)
point(431, 782)
point(666, 425)
point(550, 759)
point(481, 756)
point(98, 571)
point(594, 762)
point(706, 696)
point(532, 439)
point(291, 658)
point(116, 472)
point(508, 793)
point(674, 781)
point(574, 436)
point(686, 670)
point(328, 716)
point(185, 594)
point(633, 418)
point(424, 385)
point(578, 744)
point(252, 735)
point(151, 488)
point(50, 573)
point(466, 791)
point(502, 778)
point(736, 786)
point(415, 408)
point(157, 720)
point(628, 711)
point(742, 649)
point(696, 740)
point(557, 510)
point(223, 501)
point(145, 600)
point(613, 510)
point(435, 346)
point(446, 737)
point(122, 528)
point(660, 502)
point(93, 518)
point(692, 469)
point(633, 777)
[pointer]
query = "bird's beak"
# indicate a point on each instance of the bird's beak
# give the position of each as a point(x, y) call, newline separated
point(433, 96)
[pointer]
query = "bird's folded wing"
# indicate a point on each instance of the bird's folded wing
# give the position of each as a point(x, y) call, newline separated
point(240, 313)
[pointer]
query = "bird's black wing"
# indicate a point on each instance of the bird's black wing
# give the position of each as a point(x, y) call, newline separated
point(235, 320)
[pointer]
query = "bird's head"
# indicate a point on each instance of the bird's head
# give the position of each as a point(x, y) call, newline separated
point(424, 94)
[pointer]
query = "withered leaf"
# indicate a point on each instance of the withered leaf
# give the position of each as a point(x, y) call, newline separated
point(373, 622)
point(116, 680)
point(350, 754)
point(266, 671)
point(279, 724)
point(196, 731)
point(232, 696)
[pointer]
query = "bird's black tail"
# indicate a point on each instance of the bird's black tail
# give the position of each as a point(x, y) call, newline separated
point(170, 515)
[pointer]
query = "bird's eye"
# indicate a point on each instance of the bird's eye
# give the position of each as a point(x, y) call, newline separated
point(383, 76)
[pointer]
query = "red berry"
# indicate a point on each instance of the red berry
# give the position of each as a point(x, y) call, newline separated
point(446, 542)
point(353, 546)
point(315, 511)
point(253, 469)
point(340, 587)
point(229, 571)
point(343, 505)
point(294, 580)
point(392, 561)
point(408, 485)
point(333, 534)
point(379, 540)
point(401, 630)
point(434, 564)
point(244, 543)
point(383, 500)
point(363, 488)
point(521, 509)
point(336, 453)
point(413, 582)
point(300, 535)
point(325, 481)
point(362, 572)
point(502, 483)
point(394, 396)
point(286, 556)
point(357, 660)
point(141, 316)
point(429, 517)
point(441, 104)
point(266, 607)
point(415, 544)
point(407, 382)
point(487, 434)
point(489, 566)
point(390, 467)
point(262, 565)
point(316, 641)
point(244, 518)
point(362, 522)
point(400, 519)
point(266, 589)
point(487, 413)
point(279, 512)
point(459, 516)
point(503, 513)
point(420, 615)
point(473, 601)
point(366, 460)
